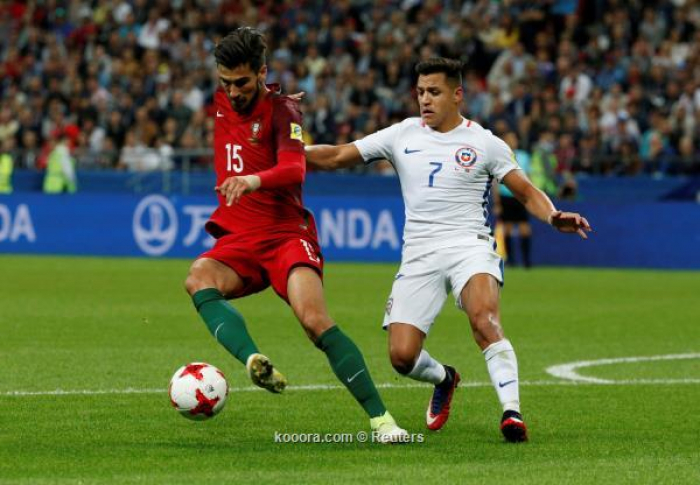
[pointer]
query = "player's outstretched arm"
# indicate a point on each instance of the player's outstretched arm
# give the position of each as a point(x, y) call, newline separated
point(541, 206)
point(333, 157)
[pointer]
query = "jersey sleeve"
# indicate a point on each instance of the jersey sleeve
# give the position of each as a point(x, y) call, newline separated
point(286, 118)
point(379, 145)
point(500, 159)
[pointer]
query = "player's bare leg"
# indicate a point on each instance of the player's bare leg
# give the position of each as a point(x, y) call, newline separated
point(209, 273)
point(508, 242)
point(305, 293)
point(525, 235)
point(405, 345)
point(210, 283)
point(480, 300)
point(410, 359)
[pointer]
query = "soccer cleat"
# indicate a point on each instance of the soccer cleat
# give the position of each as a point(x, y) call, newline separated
point(439, 405)
point(513, 427)
point(264, 374)
point(385, 430)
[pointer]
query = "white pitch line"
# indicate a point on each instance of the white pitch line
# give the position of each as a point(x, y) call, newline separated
point(332, 387)
point(307, 387)
point(569, 371)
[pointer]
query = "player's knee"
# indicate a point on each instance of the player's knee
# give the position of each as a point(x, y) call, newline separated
point(486, 326)
point(192, 284)
point(483, 317)
point(402, 360)
point(315, 323)
point(197, 279)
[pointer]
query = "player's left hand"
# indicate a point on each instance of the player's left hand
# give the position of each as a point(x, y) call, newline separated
point(297, 96)
point(233, 188)
point(570, 222)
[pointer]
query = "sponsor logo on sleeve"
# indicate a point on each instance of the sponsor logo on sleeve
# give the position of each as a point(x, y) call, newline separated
point(295, 132)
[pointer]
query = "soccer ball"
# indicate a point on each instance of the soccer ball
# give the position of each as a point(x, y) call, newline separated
point(198, 391)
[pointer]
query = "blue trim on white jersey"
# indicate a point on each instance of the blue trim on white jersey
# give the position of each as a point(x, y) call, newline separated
point(503, 273)
point(485, 204)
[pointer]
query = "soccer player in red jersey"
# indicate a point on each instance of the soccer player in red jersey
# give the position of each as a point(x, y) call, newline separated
point(265, 236)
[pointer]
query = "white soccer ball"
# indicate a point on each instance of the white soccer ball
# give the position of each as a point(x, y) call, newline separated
point(198, 391)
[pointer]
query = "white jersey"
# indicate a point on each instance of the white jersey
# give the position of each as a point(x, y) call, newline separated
point(445, 177)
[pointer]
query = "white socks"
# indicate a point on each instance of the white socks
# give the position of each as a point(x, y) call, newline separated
point(500, 362)
point(503, 369)
point(427, 369)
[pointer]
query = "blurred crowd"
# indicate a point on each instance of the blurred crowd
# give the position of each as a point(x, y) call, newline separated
point(598, 86)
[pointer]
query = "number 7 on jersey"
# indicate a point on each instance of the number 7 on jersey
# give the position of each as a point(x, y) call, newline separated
point(431, 179)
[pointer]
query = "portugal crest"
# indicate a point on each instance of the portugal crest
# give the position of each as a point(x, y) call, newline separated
point(466, 157)
point(255, 128)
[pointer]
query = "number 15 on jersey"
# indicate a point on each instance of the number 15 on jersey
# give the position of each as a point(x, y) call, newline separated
point(234, 161)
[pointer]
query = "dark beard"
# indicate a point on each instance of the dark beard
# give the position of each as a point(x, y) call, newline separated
point(248, 108)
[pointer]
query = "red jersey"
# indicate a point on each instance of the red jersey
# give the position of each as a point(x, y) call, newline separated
point(248, 144)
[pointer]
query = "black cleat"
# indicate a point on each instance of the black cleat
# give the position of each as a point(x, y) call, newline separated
point(513, 427)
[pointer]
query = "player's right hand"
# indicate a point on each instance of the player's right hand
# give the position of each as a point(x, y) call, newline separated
point(570, 222)
point(233, 188)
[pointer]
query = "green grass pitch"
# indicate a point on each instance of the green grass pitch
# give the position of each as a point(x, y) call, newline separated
point(108, 325)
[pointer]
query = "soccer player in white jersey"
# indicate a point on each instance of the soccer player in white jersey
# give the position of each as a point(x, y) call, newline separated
point(446, 165)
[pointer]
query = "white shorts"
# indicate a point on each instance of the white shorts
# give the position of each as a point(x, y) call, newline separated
point(425, 276)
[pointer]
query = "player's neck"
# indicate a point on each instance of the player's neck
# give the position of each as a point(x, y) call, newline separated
point(450, 123)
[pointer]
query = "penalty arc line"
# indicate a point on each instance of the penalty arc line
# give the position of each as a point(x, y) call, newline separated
point(569, 371)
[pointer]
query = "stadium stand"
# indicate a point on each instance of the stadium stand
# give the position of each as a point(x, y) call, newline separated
point(605, 86)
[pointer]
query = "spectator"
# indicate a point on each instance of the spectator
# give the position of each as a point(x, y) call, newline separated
point(531, 69)
point(8, 125)
point(7, 164)
point(131, 153)
point(180, 112)
point(30, 149)
point(150, 33)
point(322, 121)
point(543, 164)
point(60, 167)
point(688, 156)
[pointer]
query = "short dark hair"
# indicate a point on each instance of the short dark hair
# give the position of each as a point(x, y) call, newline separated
point(452, 68)
point(245, 45)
